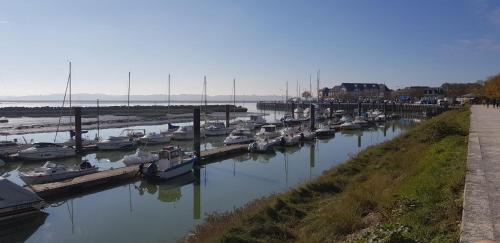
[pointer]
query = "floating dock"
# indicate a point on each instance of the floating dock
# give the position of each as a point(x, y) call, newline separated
point(119, 175)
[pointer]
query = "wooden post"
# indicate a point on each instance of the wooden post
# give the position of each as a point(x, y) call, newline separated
point(359, 141)
point(227, 115)
point(196, 127)
point(359, 109)
point(196, 194)
point(312, 117)
point(385, 108)
point(293, 109)
point(78, 129)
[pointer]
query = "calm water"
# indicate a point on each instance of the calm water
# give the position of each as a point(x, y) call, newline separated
point(152, 212)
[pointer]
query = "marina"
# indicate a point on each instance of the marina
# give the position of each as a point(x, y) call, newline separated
point(225, 161)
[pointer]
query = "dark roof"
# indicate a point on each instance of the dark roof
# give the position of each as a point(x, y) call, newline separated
point(363, 86)
point(12, 194)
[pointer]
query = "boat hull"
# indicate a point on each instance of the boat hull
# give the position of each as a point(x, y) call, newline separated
point(46, 155)
point(41, 179)
point(116, 146)
point(174, 171)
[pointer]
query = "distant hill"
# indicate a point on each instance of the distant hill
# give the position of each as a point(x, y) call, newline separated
point(154, 97)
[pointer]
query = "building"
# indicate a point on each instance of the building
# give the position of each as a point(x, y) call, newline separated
point(355, 91)
point(433, 94)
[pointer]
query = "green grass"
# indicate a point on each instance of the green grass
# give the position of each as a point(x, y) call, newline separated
point(408, 189)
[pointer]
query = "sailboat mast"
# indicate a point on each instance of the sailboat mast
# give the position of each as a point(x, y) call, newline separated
point(310, 86)
point(234, 94)
point(169, 93)
point(205, 91)
point(286, 94)
point(128, 99)
point(98, 121)
point(69, 80)
point(317, 84)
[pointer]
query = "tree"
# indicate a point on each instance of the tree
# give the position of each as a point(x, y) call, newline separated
point(306, 95)
point(491, 88)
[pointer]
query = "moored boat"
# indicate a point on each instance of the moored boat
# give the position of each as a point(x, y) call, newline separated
point(140, 157)
point(45, 151)
point(117, 143)
point(173, 162)
point(155, 138)
point(51, 172)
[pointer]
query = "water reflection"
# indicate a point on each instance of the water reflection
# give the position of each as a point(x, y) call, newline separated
point(21, 228)
point(215, 187)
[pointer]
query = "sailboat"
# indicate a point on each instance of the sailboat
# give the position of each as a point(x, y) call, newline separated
point(44, 151)
point(121, 142)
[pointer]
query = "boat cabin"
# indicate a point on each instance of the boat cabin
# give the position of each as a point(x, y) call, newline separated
point(170, 152)
point(268, 128)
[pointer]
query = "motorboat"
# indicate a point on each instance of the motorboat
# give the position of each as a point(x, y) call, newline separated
point(263, 145)
point(289, 120)
point(51, 172)
point(350, 126)
point(185, 133)
point(4, 120)
point(173, 162)
point(133, 133)
point(117, 143)
point(216, 129)
point(237, 139)
point(307, 112)
point(268, 131)
point(85, 142)
point(257, 121)
point(45, 151)
point(140, 157)
point(241, 131)
point(361, 121)
point(325, 131)
point(8, 148)
point(306, 134)
point(346, 118)
point(290, 139)
point(155, 138)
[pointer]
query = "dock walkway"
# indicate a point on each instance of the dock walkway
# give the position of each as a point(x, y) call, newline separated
point(481, 212)
point(115, 176)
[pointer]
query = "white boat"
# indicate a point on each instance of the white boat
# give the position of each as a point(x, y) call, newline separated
point(8, 148)
point(237, 139)
point(51, 172)
point(361, 121)
point(117, 143)
point(290, 139)
point(140, 157)
point(307, 135)
point(185, 133)
point(173, 162)
point(307, 112)
point(216, 129)
point(4, 120)
point(257, 120)
point(350, 126)
point(85, 142)
point(346, 118)
point(263, 145)
point(155, 138)
point(268, 131)
point(45, 151)
point(325, 131)
point(242, 131)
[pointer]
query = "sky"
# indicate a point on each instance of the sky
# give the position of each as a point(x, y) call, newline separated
point(261, 43)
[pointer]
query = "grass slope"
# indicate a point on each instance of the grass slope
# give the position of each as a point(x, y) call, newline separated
point(408, 189)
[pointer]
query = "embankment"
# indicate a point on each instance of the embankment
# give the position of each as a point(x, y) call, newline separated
point(144, 111)
point(408, 189)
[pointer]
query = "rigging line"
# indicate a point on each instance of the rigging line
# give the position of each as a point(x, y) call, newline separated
point(62, 108)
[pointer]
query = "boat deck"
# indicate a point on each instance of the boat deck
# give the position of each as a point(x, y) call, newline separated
point(116, 176)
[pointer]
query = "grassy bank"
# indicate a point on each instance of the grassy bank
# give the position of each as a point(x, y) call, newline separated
point(408, 189)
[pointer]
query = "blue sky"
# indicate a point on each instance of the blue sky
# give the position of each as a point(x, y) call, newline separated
point(261, 43)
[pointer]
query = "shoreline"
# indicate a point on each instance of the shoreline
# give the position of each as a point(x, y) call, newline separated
point(409, 188)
